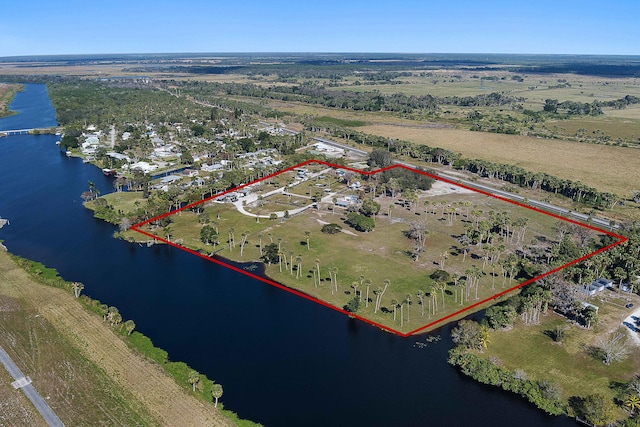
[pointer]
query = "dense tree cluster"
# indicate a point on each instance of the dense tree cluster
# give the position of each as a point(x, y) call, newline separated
point(368, 101)
point(545, 395)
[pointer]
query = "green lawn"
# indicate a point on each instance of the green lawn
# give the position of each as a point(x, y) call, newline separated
point(380, 255)
point(570, 364)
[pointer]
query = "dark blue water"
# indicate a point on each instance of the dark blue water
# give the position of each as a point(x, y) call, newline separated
point(31, 114)
point(283, 361)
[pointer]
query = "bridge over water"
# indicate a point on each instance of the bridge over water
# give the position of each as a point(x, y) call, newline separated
point(24, 131)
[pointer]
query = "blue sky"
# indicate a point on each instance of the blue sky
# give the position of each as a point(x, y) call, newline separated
point(35, 27)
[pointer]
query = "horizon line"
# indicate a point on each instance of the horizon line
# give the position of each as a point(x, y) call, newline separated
point(264, 53)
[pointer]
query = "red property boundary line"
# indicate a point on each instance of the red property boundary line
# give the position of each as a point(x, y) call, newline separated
point(136, 227)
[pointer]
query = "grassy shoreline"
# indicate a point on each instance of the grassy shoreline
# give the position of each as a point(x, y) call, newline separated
point(152, 390)
point(7, 93)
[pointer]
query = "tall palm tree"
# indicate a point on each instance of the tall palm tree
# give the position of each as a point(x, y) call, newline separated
point(318, 269)
point(291, 262)
point(434, 297)
point(104, 310)
point(243, 236)
point(441, 287)
point(367, 283)
point(354, 285)
point(231, 238)
point(194, 379)
point(462, 285)
point(216, 392)
point(307, 235)
point(377, 291)
point(298, 266)
point(394, 304)
point(77, 288)
point(129, 326)
point(407, 299)
point(420, 296)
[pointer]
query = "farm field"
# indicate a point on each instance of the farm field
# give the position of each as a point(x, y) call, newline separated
point(87, 374)
point(603, 167)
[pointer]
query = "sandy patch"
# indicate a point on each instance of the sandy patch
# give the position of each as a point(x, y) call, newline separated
point(440, 188)
point(632, 325)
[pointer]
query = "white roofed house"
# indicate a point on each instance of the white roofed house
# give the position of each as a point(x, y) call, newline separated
point(597, 286)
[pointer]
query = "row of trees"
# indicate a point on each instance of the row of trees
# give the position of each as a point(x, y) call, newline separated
point(368, 101)
point(513, 174)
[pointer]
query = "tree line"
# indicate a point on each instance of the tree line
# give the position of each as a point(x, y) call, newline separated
point(575, 190)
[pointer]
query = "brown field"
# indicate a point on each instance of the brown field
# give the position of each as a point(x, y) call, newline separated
point(607, 168)
point(88, 375)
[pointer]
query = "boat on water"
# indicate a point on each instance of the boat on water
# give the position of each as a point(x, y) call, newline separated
point(109, 172)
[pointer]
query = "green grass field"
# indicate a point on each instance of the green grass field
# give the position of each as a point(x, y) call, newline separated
point(571, 364)
point(382, 254)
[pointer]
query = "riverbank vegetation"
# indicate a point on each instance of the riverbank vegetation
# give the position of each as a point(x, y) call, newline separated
point(7, 92)
point(566, 351)
point(125, 385)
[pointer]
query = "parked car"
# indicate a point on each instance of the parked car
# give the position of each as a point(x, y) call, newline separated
point(629, 305)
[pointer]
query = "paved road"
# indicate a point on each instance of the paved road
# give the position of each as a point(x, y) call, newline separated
point(536, 203)
point(47, 413)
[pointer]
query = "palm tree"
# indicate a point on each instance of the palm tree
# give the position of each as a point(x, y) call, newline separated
point(116, 318)
point(443, 258)
point(280, 255)
point(243, 241)
point(434, 297)
point(77, 288)
point(111, 314)
point(129, 326)
point(335, 278)
point(465, 250)
point(376, 292)
point(307, 235)
point(420, 296)
point(633, 403)
point(367, 283)
point(483, 338)
point(318, 269)
point(298, 266)
point(407, 299)
point(441, 287)
point(260, 243)
point(379, 293)
point(394, 304)
point(462, 284)
point(354, 285)
point(104, 310)
point(231, 238)
point(291, 262)
point(194, 378)
point(216, 392)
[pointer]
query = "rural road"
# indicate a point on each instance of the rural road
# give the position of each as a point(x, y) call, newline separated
point(536, 203)
point(47, 413)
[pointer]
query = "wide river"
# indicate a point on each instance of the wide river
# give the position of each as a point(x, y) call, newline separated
point(283, 361)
